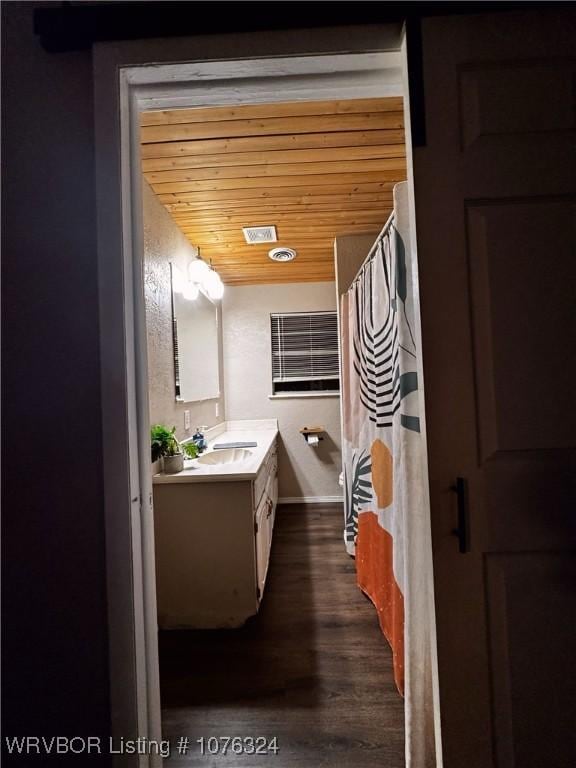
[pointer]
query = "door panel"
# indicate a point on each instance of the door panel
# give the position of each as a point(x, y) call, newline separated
point(543, 103)
point(527, 501)
point(522, 262)
point(496, 230)
point(530, 597)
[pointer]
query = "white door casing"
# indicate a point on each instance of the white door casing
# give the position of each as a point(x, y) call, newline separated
point(357, 62)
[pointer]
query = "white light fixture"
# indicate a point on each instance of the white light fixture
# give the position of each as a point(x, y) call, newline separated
point(213, 285)
point(198, 271)
point(190, 291)
point(201, 277)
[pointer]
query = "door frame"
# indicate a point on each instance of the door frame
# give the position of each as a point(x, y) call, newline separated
point(334, 63)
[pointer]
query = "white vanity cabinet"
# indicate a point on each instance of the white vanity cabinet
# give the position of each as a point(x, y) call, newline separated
point(265, 513)
point(212, 542)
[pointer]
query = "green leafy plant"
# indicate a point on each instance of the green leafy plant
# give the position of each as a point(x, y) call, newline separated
point(163, 442)
point(190, 449)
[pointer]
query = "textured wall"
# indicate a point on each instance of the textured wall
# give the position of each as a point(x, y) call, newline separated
point(303, 471)
point(163, 243)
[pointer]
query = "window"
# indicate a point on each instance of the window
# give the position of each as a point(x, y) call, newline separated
point(305, 352)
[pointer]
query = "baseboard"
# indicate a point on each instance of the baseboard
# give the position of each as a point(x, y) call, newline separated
point(311, 500)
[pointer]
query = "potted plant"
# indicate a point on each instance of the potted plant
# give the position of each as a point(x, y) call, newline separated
point(165, 446)
point(190, 449)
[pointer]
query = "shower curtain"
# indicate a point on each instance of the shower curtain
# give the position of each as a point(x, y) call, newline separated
point(386, 515)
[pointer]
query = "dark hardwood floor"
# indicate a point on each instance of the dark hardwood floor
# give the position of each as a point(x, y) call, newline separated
point(312, 669)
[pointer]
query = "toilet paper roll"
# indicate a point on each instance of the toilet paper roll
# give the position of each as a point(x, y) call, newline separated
point(313, 440)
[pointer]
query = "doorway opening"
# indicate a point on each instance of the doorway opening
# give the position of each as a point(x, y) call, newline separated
point(164, 89)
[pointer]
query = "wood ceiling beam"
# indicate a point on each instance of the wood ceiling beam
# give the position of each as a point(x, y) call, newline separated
point(305, 263)
point(352, 191)
point(240, 283)
point(234, 261)
point(263, 172)
point(222, 220)
point(259, 255)
point(323, 139)
point(350, 179)
point(303, 203)
point(276, 276)
point(234, 233)
point(270, 275)
point(366, 121)
point(274, 157)
point(254, 111)
point(309, 259)
point(199, 227)
point(294, 220)
point(295, 265)
point(235, 239)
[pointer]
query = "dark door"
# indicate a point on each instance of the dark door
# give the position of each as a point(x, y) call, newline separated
point(495, 207)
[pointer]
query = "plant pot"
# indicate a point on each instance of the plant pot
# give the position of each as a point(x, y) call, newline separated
point(173, 464)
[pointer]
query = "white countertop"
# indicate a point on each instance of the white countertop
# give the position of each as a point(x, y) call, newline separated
point(262, 431)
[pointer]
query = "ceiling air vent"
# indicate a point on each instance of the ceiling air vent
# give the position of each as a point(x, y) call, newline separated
point(256, 235)
point(282, 254)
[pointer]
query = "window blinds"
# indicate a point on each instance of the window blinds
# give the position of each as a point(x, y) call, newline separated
point(304, 346)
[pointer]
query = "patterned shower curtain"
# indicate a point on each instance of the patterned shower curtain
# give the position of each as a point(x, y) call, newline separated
point(386, 527)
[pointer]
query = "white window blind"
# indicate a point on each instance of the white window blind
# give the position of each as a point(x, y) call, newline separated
point(305, 349)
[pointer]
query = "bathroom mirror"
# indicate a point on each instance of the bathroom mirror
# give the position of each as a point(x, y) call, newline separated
point(196, 353)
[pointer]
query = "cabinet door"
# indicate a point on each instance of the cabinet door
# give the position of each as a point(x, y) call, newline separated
point(263, 540)
point(269, 467)
point(272, 494)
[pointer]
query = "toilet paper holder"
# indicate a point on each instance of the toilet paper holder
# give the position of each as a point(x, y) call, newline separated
point(314, 432)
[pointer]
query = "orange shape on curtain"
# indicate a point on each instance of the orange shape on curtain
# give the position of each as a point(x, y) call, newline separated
point(382, 473)
point(375, 577)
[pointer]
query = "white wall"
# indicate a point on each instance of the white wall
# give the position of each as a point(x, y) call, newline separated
point(303, 471)
point(165, 243)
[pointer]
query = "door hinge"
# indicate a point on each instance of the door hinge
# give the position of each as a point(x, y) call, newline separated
point(258, 593)
point(255, 527)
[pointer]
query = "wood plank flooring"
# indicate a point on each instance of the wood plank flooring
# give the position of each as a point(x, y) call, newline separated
point(312, 669)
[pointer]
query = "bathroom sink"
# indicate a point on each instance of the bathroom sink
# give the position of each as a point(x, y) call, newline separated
point(225, 456)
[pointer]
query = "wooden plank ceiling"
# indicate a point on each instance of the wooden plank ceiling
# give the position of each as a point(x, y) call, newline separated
point(314, 169)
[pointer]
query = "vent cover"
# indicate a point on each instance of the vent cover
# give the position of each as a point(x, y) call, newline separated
point(255, 235)
point(282, 254)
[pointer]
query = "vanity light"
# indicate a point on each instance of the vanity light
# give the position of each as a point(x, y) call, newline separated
point(198, 271)
point(213, 284)
point(202, 276)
